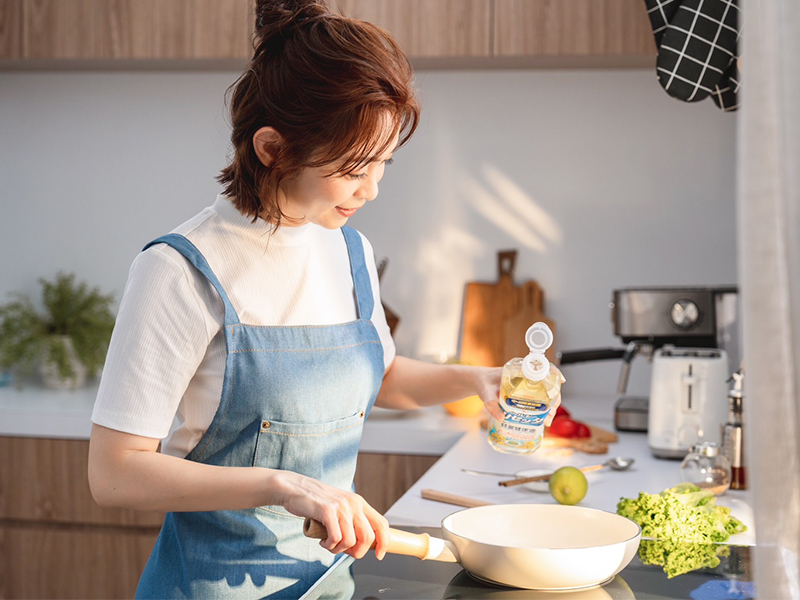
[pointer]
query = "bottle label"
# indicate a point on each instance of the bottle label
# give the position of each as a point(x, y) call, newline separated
point(525, 404)
point(522, 425)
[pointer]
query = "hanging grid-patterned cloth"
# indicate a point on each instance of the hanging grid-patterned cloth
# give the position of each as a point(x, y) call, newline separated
point(697, 43)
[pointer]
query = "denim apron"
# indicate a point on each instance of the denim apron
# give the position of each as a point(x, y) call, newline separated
point(293, 398)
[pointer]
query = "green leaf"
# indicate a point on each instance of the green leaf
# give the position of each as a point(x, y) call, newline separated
point(71, 309)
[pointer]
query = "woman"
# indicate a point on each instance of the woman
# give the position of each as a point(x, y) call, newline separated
point(251, 343)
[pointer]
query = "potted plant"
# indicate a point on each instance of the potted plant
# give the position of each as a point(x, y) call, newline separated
point(68, 342)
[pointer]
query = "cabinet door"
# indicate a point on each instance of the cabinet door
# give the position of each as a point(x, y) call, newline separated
point(382, 478)
point(572, 28)
point(428, 28)
point(46, 481)
point(137, 29)
point(10, 28)
point(53, 562)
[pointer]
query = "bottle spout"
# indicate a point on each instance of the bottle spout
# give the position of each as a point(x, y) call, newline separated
point(539, 338)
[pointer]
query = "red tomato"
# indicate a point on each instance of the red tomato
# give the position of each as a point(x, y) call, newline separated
point(582, 431)
point(563, 427)
point(562, 411)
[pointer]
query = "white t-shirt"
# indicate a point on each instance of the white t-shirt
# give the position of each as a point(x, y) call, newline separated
point(166, 360)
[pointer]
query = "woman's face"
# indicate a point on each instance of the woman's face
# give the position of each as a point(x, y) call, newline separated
point(316, 196)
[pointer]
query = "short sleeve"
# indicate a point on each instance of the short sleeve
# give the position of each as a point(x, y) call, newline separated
point(163, 328)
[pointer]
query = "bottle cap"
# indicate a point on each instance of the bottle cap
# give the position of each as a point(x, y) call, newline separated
point(705, 449)
point(539, 338)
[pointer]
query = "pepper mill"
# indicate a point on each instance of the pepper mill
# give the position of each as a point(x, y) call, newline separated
point(732, 434)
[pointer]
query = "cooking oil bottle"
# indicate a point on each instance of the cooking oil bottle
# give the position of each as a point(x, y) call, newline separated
point(527, 391)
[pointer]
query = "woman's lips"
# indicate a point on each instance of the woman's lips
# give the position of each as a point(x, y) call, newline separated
point(346, 212)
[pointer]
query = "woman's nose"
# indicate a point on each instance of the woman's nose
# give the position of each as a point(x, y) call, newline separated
point(369, 189)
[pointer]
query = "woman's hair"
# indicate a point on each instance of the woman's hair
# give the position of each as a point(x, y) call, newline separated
point(326, 84)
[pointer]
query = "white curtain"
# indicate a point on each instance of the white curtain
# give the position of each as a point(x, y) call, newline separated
point(768, 213)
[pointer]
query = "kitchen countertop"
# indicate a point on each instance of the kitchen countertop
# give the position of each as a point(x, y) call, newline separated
point(37, 412)
point(606, 487)
point(34, 411)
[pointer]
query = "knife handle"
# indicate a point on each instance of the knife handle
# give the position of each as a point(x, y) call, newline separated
point(454, 499)
point(400, 542)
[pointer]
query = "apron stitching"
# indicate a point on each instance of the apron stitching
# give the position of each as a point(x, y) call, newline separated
point(304, 349)
point(313, 434)
point(299, 326)
point(222, 418)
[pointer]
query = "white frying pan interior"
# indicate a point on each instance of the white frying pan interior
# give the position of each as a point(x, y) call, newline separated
point(542, 546)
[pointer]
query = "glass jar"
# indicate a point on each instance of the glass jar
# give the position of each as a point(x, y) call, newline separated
point(707, 468)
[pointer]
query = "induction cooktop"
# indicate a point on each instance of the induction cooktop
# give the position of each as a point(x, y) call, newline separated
point(406, 578)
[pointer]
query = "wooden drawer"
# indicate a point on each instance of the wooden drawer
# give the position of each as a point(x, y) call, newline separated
point(47, 561)
point(382, 478)
point(46, 480)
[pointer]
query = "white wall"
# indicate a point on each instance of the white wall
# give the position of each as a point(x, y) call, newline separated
point(597, 177)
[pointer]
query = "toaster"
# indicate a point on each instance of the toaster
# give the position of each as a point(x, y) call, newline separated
point(688, 399)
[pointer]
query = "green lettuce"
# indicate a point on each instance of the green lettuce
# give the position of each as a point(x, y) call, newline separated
point(686, 525)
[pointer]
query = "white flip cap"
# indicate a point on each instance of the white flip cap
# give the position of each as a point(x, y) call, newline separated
point(539, 338)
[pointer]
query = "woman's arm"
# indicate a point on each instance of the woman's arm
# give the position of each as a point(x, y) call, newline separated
point(126, 471)
point(412, 384)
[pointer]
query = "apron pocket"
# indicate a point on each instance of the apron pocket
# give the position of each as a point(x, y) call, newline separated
point(324, 451)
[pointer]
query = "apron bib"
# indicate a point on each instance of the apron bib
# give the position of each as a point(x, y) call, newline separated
point(293, 398)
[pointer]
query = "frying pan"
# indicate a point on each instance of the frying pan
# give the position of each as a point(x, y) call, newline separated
point(530, 546)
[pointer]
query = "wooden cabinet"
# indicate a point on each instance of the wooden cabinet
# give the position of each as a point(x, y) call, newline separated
point(10, 29)
point(382, 478)
point(434, 33)
point(136, 29)
point(60, 562)
point(572, 28)
point(429, 28)
point(55, 542)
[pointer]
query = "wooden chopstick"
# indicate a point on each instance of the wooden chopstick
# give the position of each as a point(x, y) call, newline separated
point(545, 477)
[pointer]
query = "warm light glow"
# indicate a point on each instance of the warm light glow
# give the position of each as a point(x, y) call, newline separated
point(500, 200)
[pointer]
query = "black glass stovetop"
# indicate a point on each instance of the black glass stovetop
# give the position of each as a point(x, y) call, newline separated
point(407, 578)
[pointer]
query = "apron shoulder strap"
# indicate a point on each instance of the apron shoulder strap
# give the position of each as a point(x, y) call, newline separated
point(194, 256)
point(358, 268)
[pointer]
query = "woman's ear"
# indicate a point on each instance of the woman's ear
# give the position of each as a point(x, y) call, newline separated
point(267, 142)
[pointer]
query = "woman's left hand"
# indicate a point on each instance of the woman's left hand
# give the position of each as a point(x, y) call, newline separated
point(488, 380)
point(487, 387)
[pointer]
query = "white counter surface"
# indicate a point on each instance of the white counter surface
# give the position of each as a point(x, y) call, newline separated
point(606, 487)
point(34, 411)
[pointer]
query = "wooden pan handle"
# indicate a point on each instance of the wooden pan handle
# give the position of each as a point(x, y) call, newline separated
point(400, 542)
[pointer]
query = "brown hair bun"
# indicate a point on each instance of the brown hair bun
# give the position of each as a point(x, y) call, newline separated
point(275, 16)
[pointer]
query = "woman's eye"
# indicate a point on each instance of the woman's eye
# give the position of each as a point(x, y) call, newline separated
point(388, 161)
point(357, 175)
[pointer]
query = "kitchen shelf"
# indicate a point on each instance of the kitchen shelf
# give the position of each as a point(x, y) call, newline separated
point(216, 34)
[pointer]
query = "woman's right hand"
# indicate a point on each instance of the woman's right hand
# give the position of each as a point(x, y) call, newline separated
point(352, 524)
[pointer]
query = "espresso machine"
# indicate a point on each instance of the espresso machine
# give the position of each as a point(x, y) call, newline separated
point(690, 336)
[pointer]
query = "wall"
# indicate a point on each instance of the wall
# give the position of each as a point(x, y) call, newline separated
point(597, 177)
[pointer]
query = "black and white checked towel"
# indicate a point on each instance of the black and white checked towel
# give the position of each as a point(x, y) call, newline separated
point(697, 43)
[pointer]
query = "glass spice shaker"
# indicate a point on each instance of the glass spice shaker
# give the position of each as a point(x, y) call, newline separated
point(705, 467)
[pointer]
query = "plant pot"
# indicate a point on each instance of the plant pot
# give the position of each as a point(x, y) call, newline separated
point(49, 371)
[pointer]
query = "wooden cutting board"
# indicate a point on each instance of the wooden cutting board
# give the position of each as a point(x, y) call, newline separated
point(496, 316)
